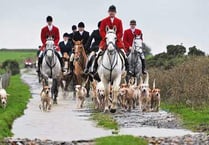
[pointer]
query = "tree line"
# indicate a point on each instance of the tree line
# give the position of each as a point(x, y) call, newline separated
point(174, 55)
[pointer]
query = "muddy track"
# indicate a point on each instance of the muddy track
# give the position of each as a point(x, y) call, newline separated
point(66, 123)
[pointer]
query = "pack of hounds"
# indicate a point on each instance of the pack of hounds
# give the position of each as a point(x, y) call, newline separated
point(130, 96)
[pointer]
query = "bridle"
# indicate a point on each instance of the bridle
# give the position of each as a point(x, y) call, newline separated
point(111, 54)
point(50, 58)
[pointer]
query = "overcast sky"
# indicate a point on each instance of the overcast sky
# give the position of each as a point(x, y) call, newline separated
point(163, 22)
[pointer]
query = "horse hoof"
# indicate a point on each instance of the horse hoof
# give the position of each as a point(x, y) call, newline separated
point(54, 102)
point(112, 110)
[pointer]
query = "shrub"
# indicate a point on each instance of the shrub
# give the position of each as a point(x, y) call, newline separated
point(187, 83)
point(11, 65)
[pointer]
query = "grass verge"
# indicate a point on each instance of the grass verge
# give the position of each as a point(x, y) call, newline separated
point(17, 102)
point(105, 120)
point(121, 140)
point(195, 119)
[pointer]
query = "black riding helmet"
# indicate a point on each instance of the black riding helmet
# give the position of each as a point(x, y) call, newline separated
point(65, 35)
point(81, 25)
point(112, 8)
point(49, 19)
point(74, 27)
point(133, 22)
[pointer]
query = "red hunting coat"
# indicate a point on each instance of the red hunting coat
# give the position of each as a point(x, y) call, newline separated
point(107, 22)
point(128, 37)
point(45, 33)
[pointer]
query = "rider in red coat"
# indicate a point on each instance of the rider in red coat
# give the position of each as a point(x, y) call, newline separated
point(54, 33)
point(110, 21)
point(49, 31)
point(128, 38)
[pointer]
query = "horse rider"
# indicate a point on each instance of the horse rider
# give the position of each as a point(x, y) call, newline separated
point(82, 35)
point(49, 31)
point(66, 47)
point(111, 21)
point(71, 35)
point(94, 47)
point(128, 38)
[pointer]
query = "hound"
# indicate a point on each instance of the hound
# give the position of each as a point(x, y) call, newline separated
point(155, 98)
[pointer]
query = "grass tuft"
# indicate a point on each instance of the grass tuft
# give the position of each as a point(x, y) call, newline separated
point(121, 140)
point(105, 120)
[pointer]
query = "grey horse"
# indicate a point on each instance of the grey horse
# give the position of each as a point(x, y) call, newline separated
point(134, 59)
point(51, 68)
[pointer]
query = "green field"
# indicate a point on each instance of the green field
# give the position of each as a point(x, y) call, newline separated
point(18, 55)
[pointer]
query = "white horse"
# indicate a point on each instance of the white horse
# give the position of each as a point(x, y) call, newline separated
point(111, 67)
point(51, 67)
point(134, 59)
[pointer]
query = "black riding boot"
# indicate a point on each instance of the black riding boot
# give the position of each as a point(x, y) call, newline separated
point(143, 66)
point(126, 61)
point(39, 64)
point(95, 67)
point(89, 63)
point(96, 61)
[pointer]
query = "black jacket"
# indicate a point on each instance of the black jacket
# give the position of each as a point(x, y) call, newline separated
point(66, 48)
point(95, 45)
point(84, 37)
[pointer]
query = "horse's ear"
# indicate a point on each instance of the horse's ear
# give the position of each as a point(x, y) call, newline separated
point(107, 28)
point(114, 28)
point(81, 41)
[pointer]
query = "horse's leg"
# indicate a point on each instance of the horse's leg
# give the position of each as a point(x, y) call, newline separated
point(88, 88)
point(106, 99)
point(75, 82)
point(54, 90)
point(116, 88)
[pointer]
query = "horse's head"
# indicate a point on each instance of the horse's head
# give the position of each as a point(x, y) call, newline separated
point(78, 49)
point(49, 46)
point(137, 44)
point(111, 38)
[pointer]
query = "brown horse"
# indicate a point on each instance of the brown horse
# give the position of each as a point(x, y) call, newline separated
point(80, 59)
